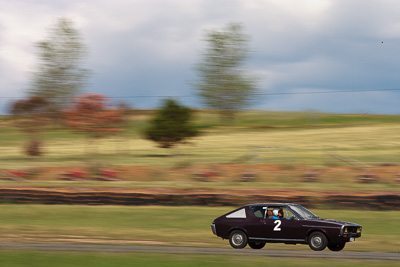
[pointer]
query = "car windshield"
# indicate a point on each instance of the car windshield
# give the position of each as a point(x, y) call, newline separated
point(303, 212)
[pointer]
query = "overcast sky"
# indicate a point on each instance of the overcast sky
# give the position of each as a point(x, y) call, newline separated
point(308, 54)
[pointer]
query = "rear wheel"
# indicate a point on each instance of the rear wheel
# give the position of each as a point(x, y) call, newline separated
point(238, 239)
point(336, 247)
point(256, 245)
point(317, 241)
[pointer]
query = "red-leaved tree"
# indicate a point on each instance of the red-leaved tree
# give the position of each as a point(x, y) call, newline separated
point(30, 115)
point(94, 115)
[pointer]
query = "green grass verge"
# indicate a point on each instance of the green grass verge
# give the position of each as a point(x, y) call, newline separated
point(161, 225)
point(87, 259)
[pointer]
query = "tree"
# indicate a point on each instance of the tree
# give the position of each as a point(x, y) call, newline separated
point(92, 114)
point(223, 85)
point(171, 125)
point(31, 115)
point(59, 75)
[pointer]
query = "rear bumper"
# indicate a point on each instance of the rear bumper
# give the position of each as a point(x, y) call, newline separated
point(213, 229)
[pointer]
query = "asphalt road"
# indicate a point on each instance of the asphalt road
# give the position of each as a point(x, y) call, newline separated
point(209, 251)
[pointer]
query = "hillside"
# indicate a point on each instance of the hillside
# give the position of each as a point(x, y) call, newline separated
point(255, 137)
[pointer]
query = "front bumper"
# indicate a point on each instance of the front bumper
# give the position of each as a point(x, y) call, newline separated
point(349, 233)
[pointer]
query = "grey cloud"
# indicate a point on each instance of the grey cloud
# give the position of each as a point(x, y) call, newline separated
point(150, 47)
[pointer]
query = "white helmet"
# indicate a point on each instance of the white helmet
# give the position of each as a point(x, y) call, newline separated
point(275, 212)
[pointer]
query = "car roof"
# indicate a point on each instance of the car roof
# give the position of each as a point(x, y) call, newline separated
point(270, 204)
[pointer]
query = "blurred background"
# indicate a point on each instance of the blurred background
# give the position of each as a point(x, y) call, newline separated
point(189, 108)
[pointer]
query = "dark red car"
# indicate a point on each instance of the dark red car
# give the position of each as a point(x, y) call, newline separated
point(258, 224)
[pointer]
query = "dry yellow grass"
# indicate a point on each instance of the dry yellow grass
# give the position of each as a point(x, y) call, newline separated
point(370, 144)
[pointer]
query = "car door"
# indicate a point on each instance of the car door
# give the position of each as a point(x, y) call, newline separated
point(256, 221)
point(261, 226)
point(285, 229)
point(272, 229)
point(291, 230)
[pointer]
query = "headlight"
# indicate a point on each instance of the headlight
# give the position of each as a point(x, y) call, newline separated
point(358, 230)
point(345, 229)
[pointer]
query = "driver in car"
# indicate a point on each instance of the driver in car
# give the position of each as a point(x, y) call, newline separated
point(277, 214)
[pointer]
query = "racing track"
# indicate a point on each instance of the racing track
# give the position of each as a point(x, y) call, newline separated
point(195, 250)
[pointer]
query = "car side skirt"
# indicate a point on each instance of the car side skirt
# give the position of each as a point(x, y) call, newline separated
point(276, 240)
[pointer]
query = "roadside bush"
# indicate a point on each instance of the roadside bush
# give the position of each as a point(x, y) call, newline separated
point(33, 148)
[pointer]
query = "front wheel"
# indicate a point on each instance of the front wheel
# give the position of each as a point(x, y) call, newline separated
point(336, 247)
point(255, 245)
point(238, 239)
point(317, 241)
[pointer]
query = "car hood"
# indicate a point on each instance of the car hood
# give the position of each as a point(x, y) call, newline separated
point(335, 222)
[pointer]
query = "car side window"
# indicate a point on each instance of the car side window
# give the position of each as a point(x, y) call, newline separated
point(239, 214)
point(258, 211)
point(289, 214)
point(264, 212)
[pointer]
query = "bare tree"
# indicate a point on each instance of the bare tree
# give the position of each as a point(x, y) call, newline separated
point(59, 75)
point(223, 84)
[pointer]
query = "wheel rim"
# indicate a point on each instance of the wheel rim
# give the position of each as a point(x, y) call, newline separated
point(237, 239)
point(316, 241)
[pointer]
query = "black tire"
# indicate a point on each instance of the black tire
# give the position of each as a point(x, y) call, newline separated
point(336, 247)
point(317, 241)
point(256, 245)
point(238, 239)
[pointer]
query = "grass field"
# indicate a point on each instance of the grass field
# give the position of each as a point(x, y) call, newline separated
point(297, 141)
point(64, 259)
point(349, 145)
point(161, 225)
point(255, 137)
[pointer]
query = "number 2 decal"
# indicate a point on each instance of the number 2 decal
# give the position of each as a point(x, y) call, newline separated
point(278, 224)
